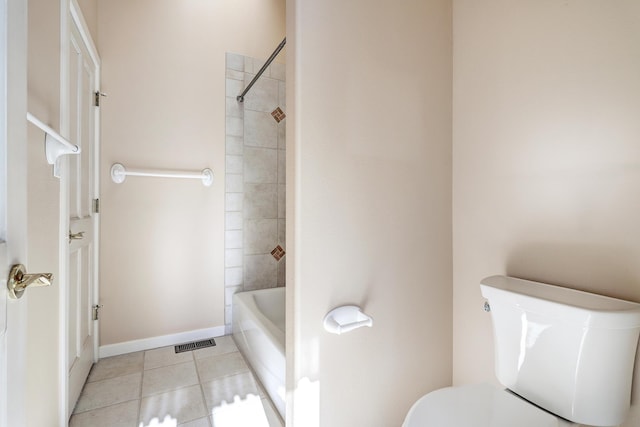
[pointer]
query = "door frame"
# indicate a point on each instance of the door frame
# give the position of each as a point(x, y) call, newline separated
point(13, 247)
point(71, 15)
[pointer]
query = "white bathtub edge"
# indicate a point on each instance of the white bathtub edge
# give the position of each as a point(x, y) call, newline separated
point(160, 341)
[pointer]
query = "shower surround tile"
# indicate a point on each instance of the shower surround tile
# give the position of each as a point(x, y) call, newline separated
point(233, 87)
point(233, 257)
point(260, 165)
point(234, 145)
point(233, 107)
point(234, 183)
point(234, 164)
point(263, 95)
point(235, 61)
point(261, 272)
point(282, 200)
point(235, 75)
point(234, 126)
point(233, 220)
point(260, 130)
point(282, 98)
point(282, 230)
point(233, 276)
point(278, 71)
point(260, 201)
point(233, 202)
point(255, 177)
point(260, 235)
point(282, 167)
point(233, 239)
point(282, 272)
point(282, 136)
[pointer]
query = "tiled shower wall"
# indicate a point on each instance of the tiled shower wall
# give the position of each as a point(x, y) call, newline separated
point(255, 179)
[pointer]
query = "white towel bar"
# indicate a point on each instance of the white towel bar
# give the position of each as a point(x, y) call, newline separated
point(55, 145)
point(119, 173)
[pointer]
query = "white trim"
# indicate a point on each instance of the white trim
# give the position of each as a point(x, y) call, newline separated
point(78, 18)
point(63, 226)
point(161, 341)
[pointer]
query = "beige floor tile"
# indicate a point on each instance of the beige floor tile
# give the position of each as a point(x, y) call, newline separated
point(165, 356)
point(120, 415)
point(160, 380)
point(175, 407)
point(117, 366)
point(220, 366)
point(223, 345)
point(99, 394)
point(201, 422)
point(224, 389)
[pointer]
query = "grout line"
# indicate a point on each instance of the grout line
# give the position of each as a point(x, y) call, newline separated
point(144, 353)
point(204, 399)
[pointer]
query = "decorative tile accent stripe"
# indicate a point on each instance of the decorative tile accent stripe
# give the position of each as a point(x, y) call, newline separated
point(278, 253)
point(278, 114)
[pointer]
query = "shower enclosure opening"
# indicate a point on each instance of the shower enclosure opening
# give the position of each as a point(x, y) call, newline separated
point(255, 249)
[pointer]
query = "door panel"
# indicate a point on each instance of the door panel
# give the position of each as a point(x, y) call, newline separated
point(81, 218)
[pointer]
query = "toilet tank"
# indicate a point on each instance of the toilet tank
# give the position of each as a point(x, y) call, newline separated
point(569, 352)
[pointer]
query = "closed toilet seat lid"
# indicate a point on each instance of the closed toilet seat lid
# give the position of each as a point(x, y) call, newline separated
point(479, 405)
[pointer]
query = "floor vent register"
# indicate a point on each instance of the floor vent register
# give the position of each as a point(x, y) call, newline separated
point(195, 345)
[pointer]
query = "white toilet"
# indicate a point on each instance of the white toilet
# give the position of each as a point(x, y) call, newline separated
point(565, 356)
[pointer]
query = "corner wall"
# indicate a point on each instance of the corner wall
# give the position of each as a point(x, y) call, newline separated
point(162, 247)
point(369, 190)
point(546, 177)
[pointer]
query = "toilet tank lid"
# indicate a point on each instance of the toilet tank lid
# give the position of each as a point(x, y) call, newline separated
point(599, 306)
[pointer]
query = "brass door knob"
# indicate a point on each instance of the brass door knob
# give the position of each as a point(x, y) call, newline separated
point(76, 236)
point(19, 280)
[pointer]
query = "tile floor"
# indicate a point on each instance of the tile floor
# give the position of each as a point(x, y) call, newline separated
point(210, 387)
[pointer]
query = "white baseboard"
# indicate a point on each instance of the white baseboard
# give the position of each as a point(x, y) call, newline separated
point(161, 341)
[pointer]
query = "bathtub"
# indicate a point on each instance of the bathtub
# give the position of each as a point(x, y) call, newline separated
point(258, 330)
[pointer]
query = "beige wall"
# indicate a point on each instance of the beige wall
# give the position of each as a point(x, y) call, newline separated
point(369, 154)
point(43, 85)
point(546, 156)
point(162, 248)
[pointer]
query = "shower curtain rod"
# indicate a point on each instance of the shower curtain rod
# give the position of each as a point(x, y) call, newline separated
point(240, 98)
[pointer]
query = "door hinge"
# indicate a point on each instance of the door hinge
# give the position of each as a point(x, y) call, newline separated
point(96, 310)
point(96, 205)
point(97, 96)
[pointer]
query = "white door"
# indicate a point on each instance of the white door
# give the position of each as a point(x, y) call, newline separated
point(13, 205)
point(82, 190)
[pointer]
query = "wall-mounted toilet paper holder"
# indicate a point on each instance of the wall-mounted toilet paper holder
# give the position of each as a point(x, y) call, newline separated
point(345, 319)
